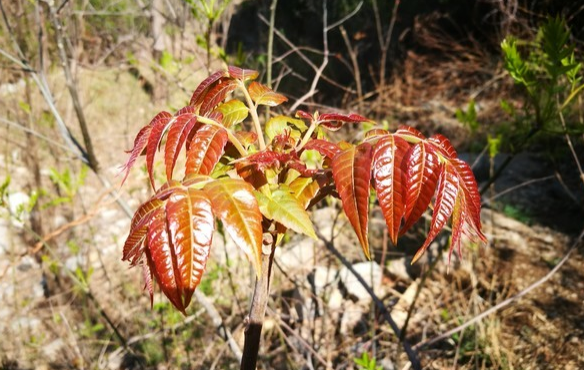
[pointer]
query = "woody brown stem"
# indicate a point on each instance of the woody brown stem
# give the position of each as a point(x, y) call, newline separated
point(257, 312)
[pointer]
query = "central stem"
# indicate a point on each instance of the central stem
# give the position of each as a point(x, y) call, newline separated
point(255, 320)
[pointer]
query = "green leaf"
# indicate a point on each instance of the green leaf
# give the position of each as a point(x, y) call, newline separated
point(234, 112)
point(279, 124)
point(234, 203)
point(284, 208)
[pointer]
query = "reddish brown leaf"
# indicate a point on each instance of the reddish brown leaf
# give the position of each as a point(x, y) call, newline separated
point(352, 173)
point(443, 145)
point(184, 110)
point(216, 95)
point(205, 150)
point(472, 197)
point(409, 131)
point(301, 168)
point(448, 189)
point(190, 225)
point(158, 128)
point(334, 121)
point(305, 115)
point(141, 142)
point(242, 74)
point(201, 90)
point(139, 145)
point(246, 138)
point(375, 133)
point(390, 181)
point(324, 147)
point(234, 203)
point(263, 95)
point(164, 263)
point(148, 284)
point(265, 159)
point(250, 174)
point(177, 135)
point(422, 169)
point(138, 228)
point(458, 220)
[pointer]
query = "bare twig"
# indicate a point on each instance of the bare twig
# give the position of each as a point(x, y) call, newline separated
point(569, 141)
point(320, 69)
point(73, 92)
point(410, 352)
point(298, 51)
point(506, 302)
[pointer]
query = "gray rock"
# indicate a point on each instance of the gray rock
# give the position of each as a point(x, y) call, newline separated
point(296, 256)
point(371, 272)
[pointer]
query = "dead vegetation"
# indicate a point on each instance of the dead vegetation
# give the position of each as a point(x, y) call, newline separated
point(70, 303)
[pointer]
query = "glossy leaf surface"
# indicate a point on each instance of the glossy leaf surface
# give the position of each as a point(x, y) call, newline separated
point(263, 95)
point(352, 174)
point(235, 204)
point(286, 209)
point(205, 150)
point(233, 111)
point(390, 180)
point(190, 225)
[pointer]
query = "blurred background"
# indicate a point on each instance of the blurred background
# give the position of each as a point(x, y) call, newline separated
point(79, 78)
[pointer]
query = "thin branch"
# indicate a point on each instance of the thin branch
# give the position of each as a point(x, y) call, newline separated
point(345, 18)
point(320, 69)
point(73, 92)
point(569, 141)
point(506, 302)
point(305, 58)
point(410, 352)
point(518, 186)
point(34, 133)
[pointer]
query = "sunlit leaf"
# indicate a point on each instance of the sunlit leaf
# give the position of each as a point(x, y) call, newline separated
point(263, 95)
point(390, 181)
point(409, 131)
point(159, 127)
point(352, 174)
point(324, 147)
point(242, 74)
point(304, 189)
point(177, 135)
point(160, 252)
point(138, 229)
point(472, 197)
point(233, 111)
point(205, 150)
point(234, 203)
point(448, 188)
point(142, 140)
point(191, 225)
point(443, 145)
point(334, 121)
point(279, 125)
point(284, 208)
point(216, 95)
point(422, 170)
point(200, 92)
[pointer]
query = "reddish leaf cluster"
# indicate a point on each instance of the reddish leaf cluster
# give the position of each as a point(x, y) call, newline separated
point(407, 171)
point(255, 187)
